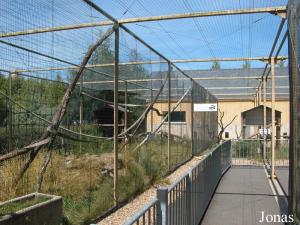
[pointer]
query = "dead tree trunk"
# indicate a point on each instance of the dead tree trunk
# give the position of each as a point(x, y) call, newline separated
point(51, 132)
point(223, 126)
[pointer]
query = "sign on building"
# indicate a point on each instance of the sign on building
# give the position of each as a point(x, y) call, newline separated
point(264, 131)
point(205, 107)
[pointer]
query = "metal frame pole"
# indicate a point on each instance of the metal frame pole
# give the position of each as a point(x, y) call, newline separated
point(294, 147)
point(80, 112)
point(265, 115)
point(259, 95)
point(10, 114)
point(257, 99)
point(256, 96)
point(125, 115)
point(192, 118)
point(151, 113)
point(169, 115)
point(194, 60)
point(274, 10)
point(273, 117)
point(116, 119)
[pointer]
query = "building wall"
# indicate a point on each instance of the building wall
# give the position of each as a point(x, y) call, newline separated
point(177, 128)
point(232, 108)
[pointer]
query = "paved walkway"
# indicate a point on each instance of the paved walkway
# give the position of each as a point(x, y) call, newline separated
point(242, 195)
point(282, 174)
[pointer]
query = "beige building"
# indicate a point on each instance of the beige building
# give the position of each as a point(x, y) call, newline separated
point(232, 108)
point(233, 100)
point(181, 118)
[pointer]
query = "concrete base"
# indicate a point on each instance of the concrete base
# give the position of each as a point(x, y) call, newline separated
point(49, 212)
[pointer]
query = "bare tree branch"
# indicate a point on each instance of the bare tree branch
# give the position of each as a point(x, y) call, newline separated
point(51, 131)
point(238, 135)
point(221, 125)
point(43, 170)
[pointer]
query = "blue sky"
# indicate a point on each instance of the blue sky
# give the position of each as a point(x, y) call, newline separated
point(226, 36)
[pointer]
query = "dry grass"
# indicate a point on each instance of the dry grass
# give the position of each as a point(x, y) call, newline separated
point(78, 178)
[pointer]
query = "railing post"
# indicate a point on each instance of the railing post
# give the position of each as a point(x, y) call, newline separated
point(116, 119)
point(162, 196)
point(189, 215)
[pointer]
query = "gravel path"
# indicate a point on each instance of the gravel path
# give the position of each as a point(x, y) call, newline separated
point(123, 214)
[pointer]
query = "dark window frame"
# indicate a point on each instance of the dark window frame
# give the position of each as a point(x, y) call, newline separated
point(226, 134)
point(176, 117)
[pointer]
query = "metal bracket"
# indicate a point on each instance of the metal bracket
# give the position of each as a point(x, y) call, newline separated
point(278, 60)
point(268, 60)
point(265, 60)
point(281, 13)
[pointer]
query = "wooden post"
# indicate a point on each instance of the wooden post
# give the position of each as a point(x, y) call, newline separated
point(273, 117)
point(10, 114)
point(265, 115)
point(125, 115)
point(116, 119)
point(169, 115)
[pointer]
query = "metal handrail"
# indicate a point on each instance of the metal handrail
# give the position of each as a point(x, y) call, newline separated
point(177, 201)
point(142, 211)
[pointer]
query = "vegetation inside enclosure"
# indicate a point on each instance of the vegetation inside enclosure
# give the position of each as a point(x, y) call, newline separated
point(282, 150)
point(249, 149)
point(58, 127)
point(253, 149)
point(85, 180)
point(13, 207)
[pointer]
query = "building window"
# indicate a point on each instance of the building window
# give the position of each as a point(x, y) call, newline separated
point(177, 116)
point(226, 134)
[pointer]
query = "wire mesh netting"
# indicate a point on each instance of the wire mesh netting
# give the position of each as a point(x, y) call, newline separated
point(94, 115)
point(205, 126)
point(294, 65)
